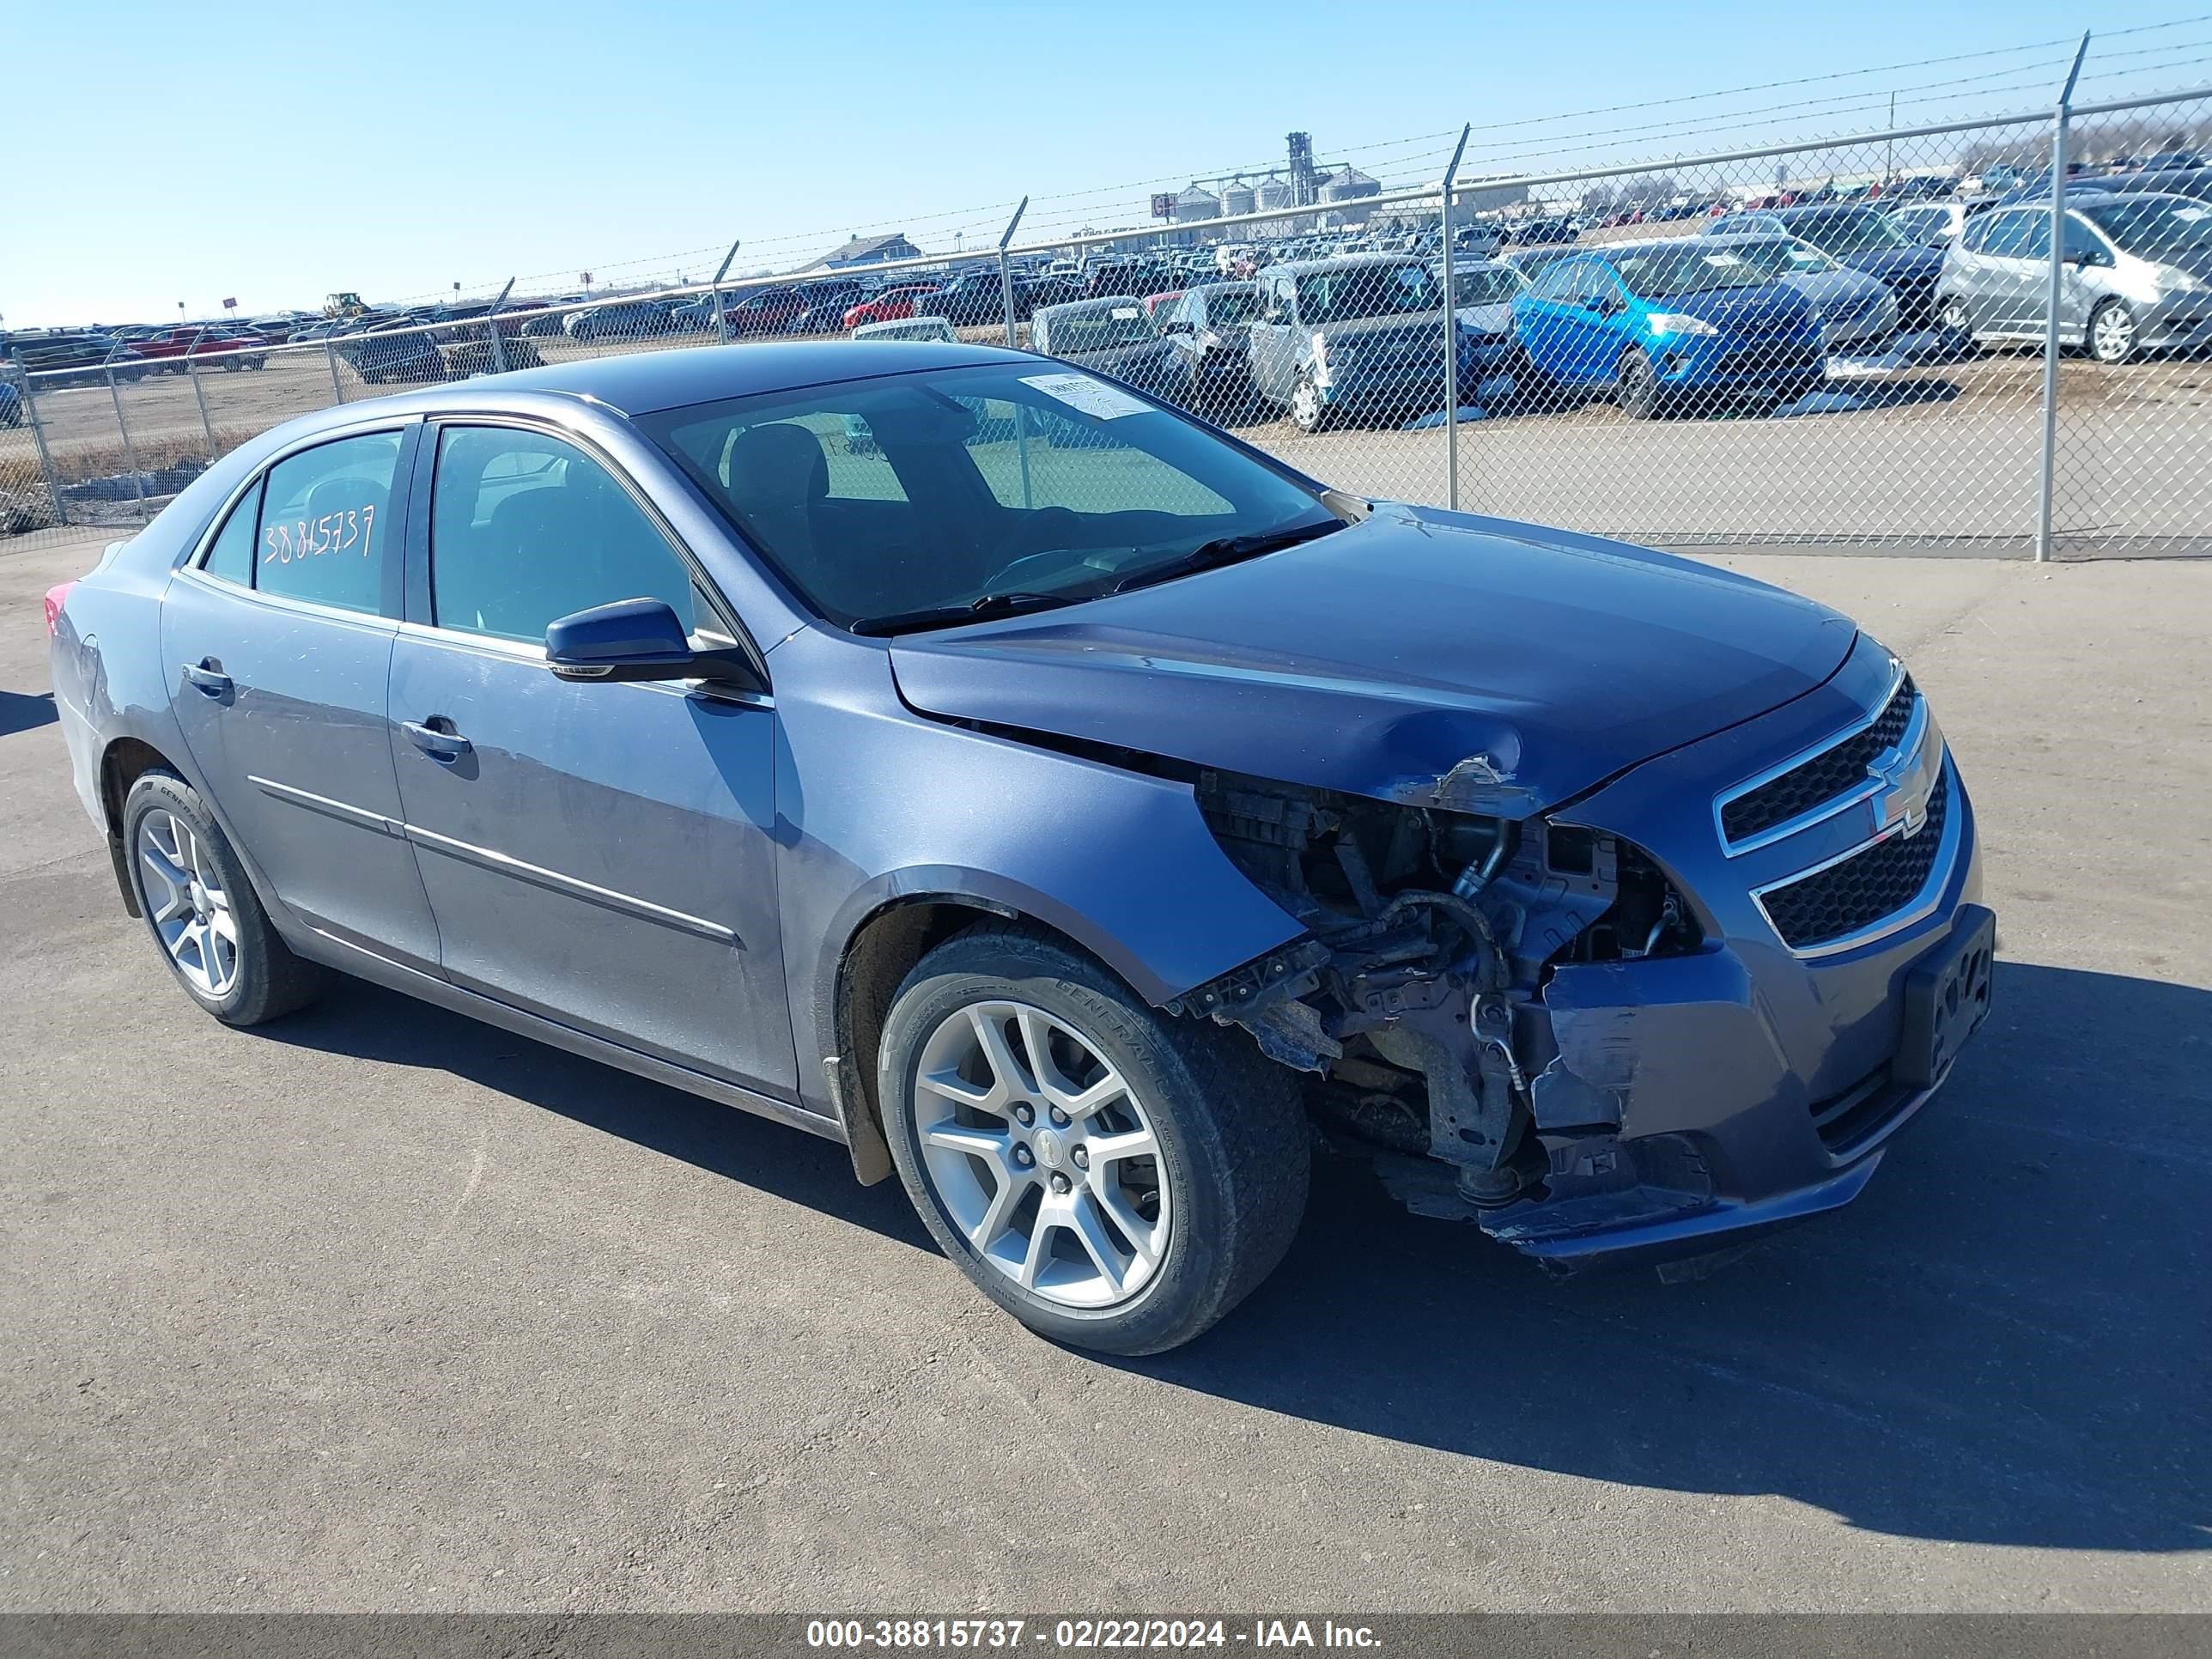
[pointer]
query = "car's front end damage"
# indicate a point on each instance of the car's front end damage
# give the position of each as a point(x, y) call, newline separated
point(1692, 1004)
point(1636, 900)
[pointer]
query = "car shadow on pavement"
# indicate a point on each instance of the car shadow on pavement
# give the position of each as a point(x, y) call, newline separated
point(371, 1023)
point(21, 711)
point(2005, 1340)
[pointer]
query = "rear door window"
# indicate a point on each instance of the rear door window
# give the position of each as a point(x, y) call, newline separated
point(325, 527)
point(231, 556)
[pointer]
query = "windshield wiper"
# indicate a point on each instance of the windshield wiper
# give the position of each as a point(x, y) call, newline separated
point(1229, 550)
point(982, 609)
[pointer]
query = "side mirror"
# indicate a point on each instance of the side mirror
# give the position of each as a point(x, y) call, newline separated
point(634, 640)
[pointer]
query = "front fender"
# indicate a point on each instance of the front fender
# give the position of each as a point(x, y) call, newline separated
point(876, 803)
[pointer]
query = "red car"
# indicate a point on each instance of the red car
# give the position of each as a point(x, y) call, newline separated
point(235, 349)
point(893, 305)
point(764, 311)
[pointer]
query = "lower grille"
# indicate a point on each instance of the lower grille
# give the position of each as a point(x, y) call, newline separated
point(1831, 903)
point(1850, 1119)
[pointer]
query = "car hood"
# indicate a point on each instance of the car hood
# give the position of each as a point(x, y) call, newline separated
point(1909, 266)
point(1419, 657)
point(1496, 319)
point(1828, 289)
point(1130, 362)
point(1761, 307)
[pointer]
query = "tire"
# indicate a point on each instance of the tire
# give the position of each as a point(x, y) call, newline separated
point(1958, 328)
point(2113, 338)
point(165, 825)
point(1635, 386)
point(1308, 413)
point(1178, 1236)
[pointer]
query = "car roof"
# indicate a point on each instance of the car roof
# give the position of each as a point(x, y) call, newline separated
point(1341, 262)
point(642, 382)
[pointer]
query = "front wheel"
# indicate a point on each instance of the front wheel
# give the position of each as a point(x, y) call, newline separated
point(1637, 390)
point(1957, 327)
point(1308, 412)
point(1116, 1178)
point(2113, 336)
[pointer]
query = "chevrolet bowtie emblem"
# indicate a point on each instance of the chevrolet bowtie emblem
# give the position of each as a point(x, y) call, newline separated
point(1906, 783)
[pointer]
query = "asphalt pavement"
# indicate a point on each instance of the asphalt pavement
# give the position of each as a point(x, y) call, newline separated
point(377, 1308)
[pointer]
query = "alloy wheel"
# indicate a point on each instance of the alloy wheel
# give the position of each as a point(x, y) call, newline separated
point(185, 899)
point(2112, 334)
point(1042, 1155)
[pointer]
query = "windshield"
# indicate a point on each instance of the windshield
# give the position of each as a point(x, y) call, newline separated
point(1492, 285)
point(908, 495)
point(1785, 258)
point(1226, 307)
point(1846, 230)
point(1120, 324)
point(1352, 292)
point(2154, 225)
point(1663, 273)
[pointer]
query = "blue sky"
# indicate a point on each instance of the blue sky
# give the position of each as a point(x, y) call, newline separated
point(273, 153)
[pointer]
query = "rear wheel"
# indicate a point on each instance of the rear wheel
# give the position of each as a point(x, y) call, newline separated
point(1116, 1178)
point(203, 914)
point(1636, 385)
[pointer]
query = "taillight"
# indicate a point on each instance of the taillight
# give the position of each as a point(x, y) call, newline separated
point(57, 597)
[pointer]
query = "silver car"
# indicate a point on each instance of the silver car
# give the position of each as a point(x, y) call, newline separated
point(2137, 275)
point(1857, 312)
point(1930, 224)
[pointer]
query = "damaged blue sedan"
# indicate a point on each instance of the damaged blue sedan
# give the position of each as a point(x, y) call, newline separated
point(1062, 805)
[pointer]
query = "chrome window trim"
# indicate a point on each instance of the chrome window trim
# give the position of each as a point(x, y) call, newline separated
point(373, 619)
point(363, 427)
point(1918, 908)
point(1916, 732)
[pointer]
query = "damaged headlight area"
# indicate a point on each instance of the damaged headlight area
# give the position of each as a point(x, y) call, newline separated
point(1417, 1000)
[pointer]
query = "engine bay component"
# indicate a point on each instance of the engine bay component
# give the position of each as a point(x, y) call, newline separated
point(1415, 1004)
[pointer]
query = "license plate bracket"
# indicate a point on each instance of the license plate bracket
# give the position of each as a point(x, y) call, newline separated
point(1946, 998)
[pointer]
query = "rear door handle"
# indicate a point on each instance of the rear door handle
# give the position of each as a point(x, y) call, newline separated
point(208, 678)
point(436, 738)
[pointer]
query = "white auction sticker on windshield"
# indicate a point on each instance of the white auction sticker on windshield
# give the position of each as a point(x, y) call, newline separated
point(1093, 397)
point(1125, 313)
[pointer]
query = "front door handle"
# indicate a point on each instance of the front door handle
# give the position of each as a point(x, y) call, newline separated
point(208, 676)
point(436, 738)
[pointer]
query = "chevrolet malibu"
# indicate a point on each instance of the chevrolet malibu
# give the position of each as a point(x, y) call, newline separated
point(1061, 805)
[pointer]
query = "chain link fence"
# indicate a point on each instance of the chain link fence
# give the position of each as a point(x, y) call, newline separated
point(1849, 342)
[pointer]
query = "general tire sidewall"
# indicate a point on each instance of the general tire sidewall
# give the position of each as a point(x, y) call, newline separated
point(1127, 1035)
point(164, 791)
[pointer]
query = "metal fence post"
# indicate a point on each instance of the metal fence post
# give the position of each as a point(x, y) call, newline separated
point(2047, 479)
point(130, 450)
point(1007, 297)
point(338, 386)
point(491, 321)
point(722, 323)
point(1451, 334)
point(199, 392)
point(45, 456)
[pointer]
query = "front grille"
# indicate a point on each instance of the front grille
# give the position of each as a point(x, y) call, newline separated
point(1821, 779)
point(1862, 889)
